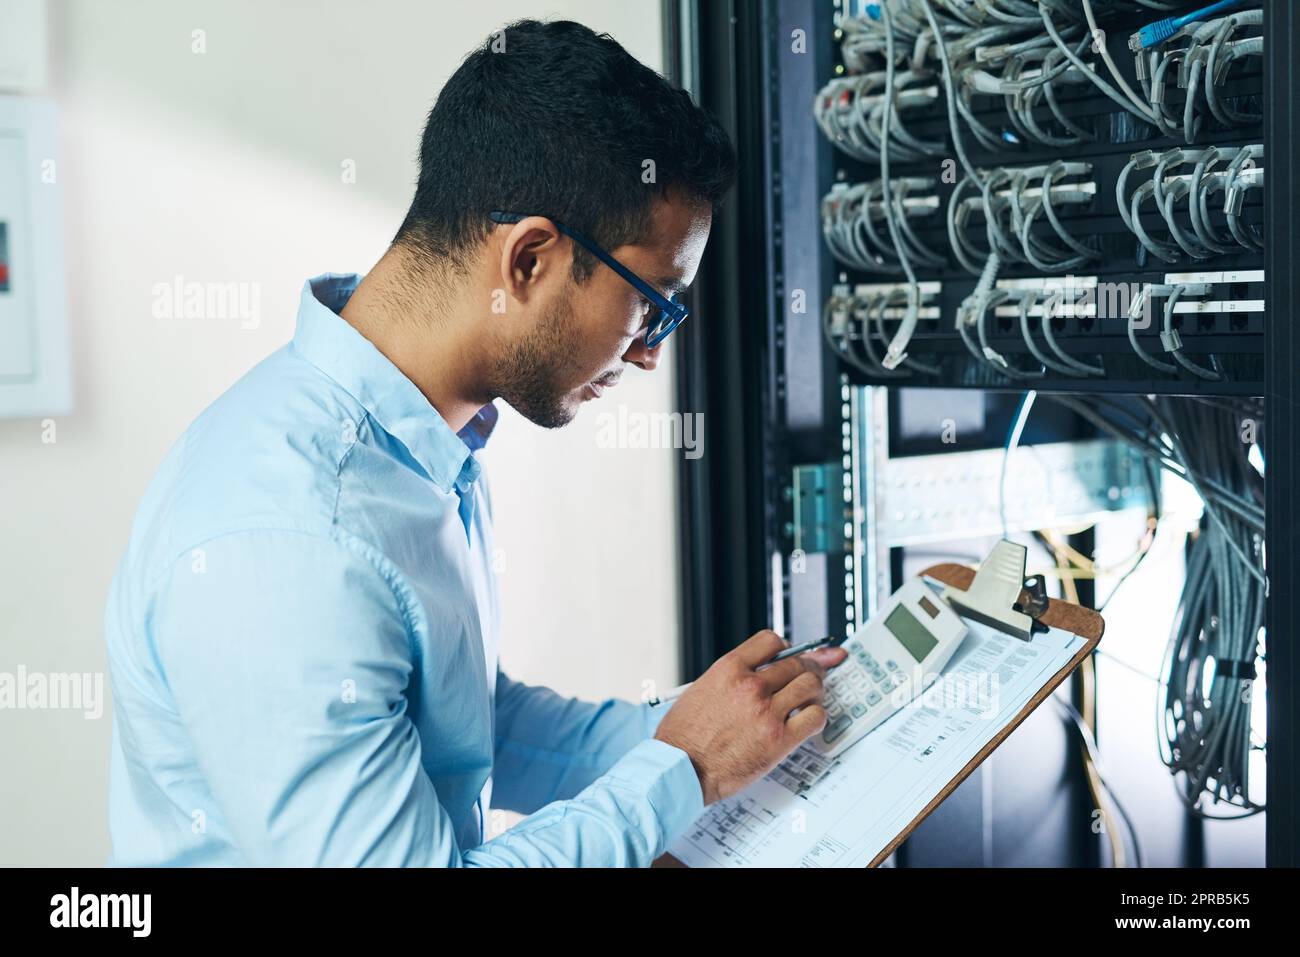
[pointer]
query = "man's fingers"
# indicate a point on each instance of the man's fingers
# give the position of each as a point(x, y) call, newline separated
point(777, 676)
point(811, 663)
point(805, 689)
point(763, 646)
point(805, 724)
point(827, 657)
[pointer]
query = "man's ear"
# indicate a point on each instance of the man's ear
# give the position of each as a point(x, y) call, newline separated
point(531, 253)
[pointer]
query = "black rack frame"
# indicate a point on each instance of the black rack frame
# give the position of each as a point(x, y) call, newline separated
point(1282, 434)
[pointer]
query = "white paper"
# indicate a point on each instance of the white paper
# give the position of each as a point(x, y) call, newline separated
point(811, 811)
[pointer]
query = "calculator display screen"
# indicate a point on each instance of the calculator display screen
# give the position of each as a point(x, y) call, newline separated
point(911, 634)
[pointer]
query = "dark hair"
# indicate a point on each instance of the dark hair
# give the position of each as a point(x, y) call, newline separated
point(555, 119)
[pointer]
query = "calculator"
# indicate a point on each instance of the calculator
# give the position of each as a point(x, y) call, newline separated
point(892, 659)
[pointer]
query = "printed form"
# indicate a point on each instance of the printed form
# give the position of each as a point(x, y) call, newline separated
point(842, 811)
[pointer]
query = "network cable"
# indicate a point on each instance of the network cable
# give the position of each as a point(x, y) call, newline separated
point(1204, 718)
point(897, 350)
point(1158, 32)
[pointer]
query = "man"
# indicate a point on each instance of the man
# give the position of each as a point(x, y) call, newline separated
point(302, 635)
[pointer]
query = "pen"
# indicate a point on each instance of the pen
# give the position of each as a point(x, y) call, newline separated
point(781, 656)
point(800, 649)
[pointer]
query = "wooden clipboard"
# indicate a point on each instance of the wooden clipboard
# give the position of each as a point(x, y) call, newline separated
point(1084, 622)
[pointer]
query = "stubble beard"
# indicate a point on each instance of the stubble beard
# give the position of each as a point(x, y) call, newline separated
point(527, 377)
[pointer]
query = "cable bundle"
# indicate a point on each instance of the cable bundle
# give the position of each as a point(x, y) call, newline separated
point(853, 223)
point(1195, 189)
point(889, 52)
point(1210, 662)
point(1204, 720)
point(853, 323)
point(1012, 201)
point(1172, 343)
point(1203, 54)
point(850, 110)
point(1024, 52)
point(1053, 300)
point(999, 49)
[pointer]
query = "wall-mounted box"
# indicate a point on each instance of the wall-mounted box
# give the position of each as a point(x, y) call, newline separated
point(24, 48)
point(35, 366)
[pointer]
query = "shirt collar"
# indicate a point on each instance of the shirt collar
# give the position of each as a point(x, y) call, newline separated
point(330, 343)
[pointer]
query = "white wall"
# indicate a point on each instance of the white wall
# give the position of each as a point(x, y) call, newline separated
point(226, 166)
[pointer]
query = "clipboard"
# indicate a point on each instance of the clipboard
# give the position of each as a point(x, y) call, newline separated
point(1050, 612)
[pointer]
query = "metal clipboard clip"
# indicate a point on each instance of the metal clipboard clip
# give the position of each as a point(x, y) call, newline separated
point(993, 598)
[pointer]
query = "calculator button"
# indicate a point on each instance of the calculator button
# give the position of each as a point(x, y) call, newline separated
point(873, 697)
point(891, 665)
point(836, 728)
point(859, 710)
point(868, 660)
point(878, 674)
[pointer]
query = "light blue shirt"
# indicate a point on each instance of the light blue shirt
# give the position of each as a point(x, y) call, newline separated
point(302, 642)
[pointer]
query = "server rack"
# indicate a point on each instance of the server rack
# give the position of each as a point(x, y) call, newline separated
point(774, 393)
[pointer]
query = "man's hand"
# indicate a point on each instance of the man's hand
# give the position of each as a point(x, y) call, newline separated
point(735, 722)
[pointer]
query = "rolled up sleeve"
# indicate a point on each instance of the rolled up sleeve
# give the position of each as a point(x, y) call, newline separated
point(549, 747)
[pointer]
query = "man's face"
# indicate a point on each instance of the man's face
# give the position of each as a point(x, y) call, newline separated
point(585, 334)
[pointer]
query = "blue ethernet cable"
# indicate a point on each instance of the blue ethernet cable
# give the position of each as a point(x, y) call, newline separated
point(1154, 34)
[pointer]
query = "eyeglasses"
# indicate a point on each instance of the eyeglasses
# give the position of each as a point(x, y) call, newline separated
point(666, 314)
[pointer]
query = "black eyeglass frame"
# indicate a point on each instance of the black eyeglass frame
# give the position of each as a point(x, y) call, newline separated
point(671, 313)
